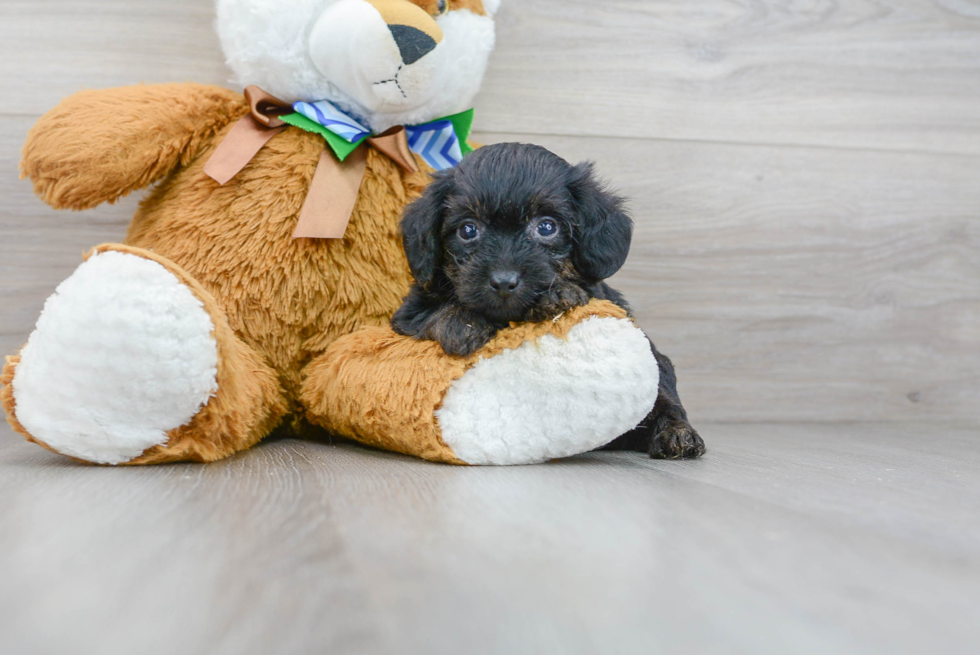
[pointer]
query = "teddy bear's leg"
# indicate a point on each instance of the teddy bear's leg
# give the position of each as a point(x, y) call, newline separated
point(553, 396)
point(535, 392)
point(132, 361)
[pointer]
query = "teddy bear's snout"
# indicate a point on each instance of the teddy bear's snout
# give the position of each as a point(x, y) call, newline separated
point(395, 70)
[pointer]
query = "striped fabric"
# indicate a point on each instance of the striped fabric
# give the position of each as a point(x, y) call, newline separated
point(436, 142)
point(333, 119)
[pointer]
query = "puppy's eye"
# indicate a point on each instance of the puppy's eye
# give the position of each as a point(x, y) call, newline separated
point(442, 6)
point(547, 228)
point(468, 231)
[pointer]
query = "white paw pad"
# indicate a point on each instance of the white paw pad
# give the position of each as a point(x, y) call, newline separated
point(552, 397)
point(122, 353)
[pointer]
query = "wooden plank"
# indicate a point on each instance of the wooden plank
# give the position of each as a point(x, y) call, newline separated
point(801, 538)
point(891, 74)
point(41, 246)
point(57, 47)
point(167, 560)
point(895, 74)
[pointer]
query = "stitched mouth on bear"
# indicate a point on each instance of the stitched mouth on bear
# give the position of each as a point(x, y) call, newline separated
point(394, 80)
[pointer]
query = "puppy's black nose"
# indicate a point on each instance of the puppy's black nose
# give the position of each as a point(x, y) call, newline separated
point(505, 282)
point(413, 43)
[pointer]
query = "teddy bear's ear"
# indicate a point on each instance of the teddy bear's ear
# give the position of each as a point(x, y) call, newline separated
point(491, 7)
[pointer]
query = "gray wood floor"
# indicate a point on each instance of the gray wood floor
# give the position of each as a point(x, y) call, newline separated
point(805, 178)
point(851, 538)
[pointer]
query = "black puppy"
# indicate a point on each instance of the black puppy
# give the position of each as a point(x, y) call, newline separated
point(516, 233)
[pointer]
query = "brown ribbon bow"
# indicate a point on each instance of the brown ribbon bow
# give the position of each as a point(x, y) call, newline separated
point(333, 192)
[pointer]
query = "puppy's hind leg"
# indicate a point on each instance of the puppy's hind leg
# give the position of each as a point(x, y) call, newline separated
point(665, 433)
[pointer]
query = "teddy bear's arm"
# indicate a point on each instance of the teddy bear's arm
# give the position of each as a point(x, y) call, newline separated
point(97, 146)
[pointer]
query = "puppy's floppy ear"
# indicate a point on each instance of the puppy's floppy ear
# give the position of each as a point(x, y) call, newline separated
point(602, 230)
point(422, 227)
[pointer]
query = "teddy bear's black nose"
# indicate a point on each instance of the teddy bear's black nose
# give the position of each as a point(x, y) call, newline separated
point(413, 43)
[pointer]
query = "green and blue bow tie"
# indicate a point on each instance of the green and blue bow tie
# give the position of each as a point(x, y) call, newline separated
point(441, 143)
point(334, 189)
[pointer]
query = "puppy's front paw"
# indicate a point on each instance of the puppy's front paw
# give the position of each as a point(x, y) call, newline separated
point(465, 339)
point(677, 441)
point(558, 300)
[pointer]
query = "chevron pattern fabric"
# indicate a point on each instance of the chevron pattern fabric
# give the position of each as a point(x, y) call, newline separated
point(333, 119)
point(436, 142)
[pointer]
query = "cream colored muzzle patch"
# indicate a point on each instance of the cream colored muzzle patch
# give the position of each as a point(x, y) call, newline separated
point(407, 14)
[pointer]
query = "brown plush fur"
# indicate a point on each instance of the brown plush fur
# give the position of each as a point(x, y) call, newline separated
point(97, 146)
point(277, 303)
point(383, 389)
point(7, 397)
point(432, 6)
point(284, 300)
point(287, 298)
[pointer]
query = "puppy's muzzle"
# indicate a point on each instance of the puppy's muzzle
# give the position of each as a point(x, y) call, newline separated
point(504, 283)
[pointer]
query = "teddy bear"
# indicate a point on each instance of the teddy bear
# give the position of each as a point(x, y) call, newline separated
point(253, 289)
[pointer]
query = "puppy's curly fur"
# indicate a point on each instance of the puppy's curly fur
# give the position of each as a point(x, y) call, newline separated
point(516, 233)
